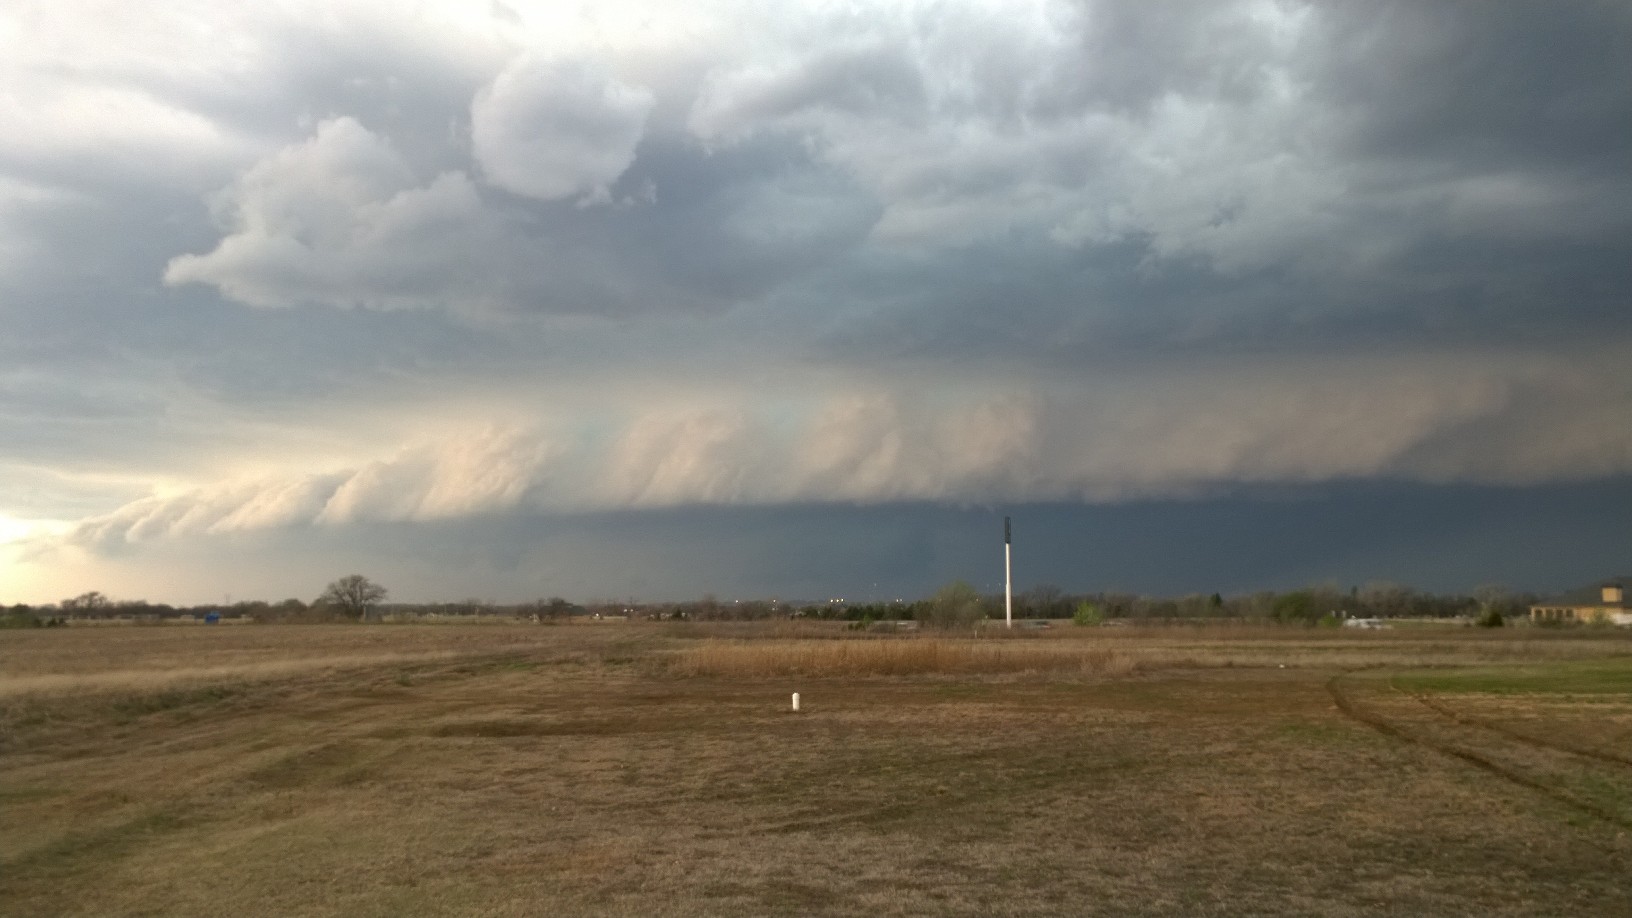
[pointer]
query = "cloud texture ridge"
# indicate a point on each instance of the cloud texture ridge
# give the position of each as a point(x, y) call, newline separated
point(1180, 435)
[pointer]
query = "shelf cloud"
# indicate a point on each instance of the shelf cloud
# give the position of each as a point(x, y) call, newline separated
point(1129, 436)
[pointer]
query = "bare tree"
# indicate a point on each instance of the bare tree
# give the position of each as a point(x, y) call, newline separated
point(1387, 600)
point(1044, 601)
point(93, 601)
point(353, 594)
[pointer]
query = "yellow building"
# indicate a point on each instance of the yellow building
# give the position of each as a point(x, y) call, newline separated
point(1605, 605)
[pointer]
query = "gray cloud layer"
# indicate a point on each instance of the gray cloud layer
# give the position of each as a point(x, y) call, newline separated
point(1234, 139)
point(331, 265)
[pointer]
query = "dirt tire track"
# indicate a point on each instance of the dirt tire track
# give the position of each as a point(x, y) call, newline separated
point(1447, 712)
point(1478, 761)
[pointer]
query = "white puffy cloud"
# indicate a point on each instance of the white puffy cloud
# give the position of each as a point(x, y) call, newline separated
point(342, 219)
point(550, 127)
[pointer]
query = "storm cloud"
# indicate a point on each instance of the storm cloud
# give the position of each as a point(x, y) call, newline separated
point(335, 266)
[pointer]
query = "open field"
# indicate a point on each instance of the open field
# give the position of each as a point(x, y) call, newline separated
point(656, 770)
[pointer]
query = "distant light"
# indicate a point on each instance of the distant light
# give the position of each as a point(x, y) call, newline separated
point(16, 529)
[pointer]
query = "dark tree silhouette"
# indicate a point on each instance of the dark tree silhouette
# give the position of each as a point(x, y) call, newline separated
point(353, 594)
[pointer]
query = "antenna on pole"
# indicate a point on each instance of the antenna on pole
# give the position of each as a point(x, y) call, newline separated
point(1008, 579)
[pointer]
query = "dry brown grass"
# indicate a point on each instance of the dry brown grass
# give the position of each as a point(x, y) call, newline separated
point(767, 651)
point(96, 651)
point(150, 680)
point(914, 656)
point(506, 772)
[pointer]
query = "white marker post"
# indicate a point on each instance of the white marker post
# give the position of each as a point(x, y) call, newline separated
point(1008, 580)
point(795, 702)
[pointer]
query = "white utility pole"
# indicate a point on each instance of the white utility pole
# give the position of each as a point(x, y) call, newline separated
point(1008, 579)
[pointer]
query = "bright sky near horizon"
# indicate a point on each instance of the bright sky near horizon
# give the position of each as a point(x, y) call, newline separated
point(644, 299)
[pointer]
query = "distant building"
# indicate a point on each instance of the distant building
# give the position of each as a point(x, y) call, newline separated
point(1605, 604)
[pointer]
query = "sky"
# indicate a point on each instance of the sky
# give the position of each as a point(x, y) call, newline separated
point(652, 300)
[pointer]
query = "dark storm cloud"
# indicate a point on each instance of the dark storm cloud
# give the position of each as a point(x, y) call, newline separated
point(1478, 86)
point(1339, 97)
point(329, 268)
point(1352, 230)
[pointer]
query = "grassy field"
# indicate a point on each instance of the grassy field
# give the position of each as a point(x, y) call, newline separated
point(657, 770)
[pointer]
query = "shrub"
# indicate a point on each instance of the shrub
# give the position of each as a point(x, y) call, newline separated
point(1298, 606)
point(957, 605)
point(1492, 618)
point(17, 619)
point(1087, 614)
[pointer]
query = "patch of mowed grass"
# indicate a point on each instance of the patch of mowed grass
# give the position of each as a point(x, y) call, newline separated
point(1610, 794)
point(31, 714)
point(133, 706)
point(70, 851)
point(332, 764)
point(1325, 734)
point(1586, 677)
point(10, 795)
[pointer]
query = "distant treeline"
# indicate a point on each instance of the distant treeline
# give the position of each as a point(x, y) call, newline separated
point(1044, 602)
point(1305, 605)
